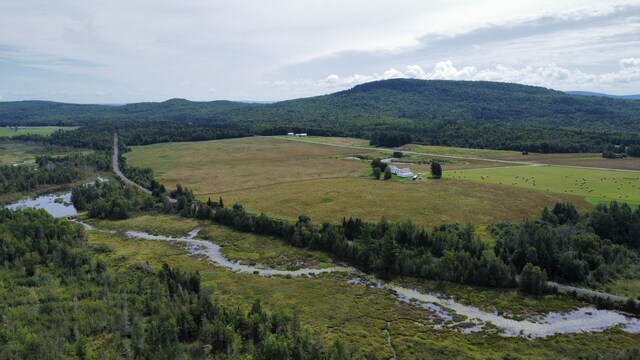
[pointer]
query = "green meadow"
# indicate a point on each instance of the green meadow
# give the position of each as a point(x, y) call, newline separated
point(36, 130)
point(594, 185)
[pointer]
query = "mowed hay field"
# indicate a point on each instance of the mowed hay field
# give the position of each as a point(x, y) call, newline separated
point(285, 178)
point(595, 185)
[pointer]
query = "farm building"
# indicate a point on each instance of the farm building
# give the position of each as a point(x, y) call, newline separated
point(404, 173)
point(290, 134)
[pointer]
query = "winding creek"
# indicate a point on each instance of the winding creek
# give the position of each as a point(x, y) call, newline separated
point(586, 319)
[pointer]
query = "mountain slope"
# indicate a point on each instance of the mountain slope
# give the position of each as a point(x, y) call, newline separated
point(389, 112)
point(589, 93)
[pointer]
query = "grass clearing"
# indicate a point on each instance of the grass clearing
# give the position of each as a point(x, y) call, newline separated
point(594, 185)
point(427, 204)
point(35, 130)
point(12, 152)
point(288, 178)
point(572, 159)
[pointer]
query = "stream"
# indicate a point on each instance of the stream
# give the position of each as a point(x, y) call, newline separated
point(586, 319)
point(212, 252)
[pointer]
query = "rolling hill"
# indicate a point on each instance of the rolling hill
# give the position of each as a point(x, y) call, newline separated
point(461, 113)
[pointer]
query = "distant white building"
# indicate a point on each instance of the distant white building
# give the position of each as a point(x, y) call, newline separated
point(303, 134)
point(290, 134)
point(403, 173)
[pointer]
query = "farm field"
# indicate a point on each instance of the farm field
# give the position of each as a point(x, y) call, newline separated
point(572, 159)
point(288, 178)
point(357, 314)
point(36, 130)
point(427, 204)
point(594, 185)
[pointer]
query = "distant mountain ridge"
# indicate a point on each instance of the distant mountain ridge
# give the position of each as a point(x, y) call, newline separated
point(388, 112)
point(589, 93)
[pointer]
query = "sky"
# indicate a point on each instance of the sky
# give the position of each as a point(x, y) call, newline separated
point(116, 51)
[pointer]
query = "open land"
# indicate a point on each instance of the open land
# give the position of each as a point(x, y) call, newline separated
point(594, 185)
point(12, 152)
point(571, 159)
point(287, 178)
point(35, 130)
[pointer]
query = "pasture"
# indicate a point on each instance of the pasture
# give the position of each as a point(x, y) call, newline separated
point(285, 179)
point(594, 185)
point(464, 156)
point(35, 130)
point(356, 313)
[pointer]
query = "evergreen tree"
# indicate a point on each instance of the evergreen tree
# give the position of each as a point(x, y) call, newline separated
point(376, 173)
point(436, 169)
point(387, 173)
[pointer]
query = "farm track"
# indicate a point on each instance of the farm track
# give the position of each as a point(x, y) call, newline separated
point(417, 153)
point(511, 162)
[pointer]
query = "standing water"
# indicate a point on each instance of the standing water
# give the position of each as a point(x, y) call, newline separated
point(56, 205)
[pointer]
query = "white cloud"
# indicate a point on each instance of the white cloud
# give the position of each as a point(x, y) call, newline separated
point(332, 79)
point(630, 62)
point(550, 75)
point(144, 50)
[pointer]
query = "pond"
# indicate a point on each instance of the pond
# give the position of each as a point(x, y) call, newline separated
point(58, 205)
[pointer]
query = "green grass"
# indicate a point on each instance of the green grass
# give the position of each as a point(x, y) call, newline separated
point(36, 130)
point(509, 302)
point(355, 313)
point(153, 224)
point(237, 246)
point(263, 250)
point(288, 178)
point(16, 153)
point(594, 185)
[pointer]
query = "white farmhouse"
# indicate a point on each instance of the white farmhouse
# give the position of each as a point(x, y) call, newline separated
point(403, 173)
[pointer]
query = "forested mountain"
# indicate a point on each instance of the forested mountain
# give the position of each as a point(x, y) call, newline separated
point(589, 93)
point(389, 112)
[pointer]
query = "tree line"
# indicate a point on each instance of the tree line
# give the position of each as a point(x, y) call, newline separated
point(48, 170)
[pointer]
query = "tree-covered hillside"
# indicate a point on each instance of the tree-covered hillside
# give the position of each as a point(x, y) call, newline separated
point(390, 112)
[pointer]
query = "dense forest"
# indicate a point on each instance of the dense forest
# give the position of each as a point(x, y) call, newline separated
point(64, 299)
point(389, 113)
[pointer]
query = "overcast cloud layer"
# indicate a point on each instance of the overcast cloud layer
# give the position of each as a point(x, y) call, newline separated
point(129, 51)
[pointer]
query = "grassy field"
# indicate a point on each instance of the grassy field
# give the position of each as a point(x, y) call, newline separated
point(16, 153)
point(428, 204)
point(36, 130)
point(573, 159)
point(593, 185)
point(356, 313)
point(288, 178)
